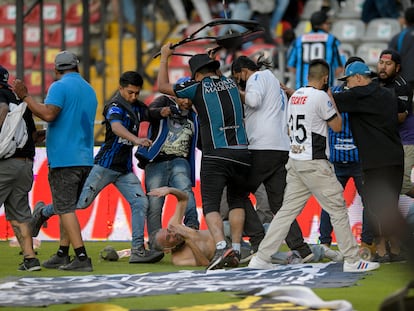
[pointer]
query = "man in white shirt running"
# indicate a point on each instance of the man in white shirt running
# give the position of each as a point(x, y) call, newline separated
point(265, 109)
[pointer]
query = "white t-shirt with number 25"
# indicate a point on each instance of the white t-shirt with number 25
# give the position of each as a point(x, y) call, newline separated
point(309, 110)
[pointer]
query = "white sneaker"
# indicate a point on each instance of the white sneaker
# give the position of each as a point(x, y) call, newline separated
point(332, 254)
point(360, 266)
point(257, 263)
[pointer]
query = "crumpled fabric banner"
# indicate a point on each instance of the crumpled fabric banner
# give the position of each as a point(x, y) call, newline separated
point(45, 291)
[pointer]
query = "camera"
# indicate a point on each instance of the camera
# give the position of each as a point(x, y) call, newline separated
point(175, 111)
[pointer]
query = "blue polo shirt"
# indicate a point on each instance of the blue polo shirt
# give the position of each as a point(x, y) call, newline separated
point(70, 137)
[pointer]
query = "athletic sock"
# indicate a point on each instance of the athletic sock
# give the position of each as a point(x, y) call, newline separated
point(81, 253)
point(236, 246)
point(63, 251)
point(221, 245)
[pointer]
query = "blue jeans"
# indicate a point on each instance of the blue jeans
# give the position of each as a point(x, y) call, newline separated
point(130, 187)
point(173, 173)
point(344, 171)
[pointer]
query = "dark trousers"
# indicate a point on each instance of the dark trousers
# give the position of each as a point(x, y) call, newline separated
point(344, 172)
point(382, 188)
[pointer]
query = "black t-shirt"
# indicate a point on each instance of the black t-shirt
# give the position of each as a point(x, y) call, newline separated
point(372, 112)
point(28, 151)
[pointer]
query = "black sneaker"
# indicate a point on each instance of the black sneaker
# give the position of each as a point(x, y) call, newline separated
point(38, 219)
point(246, 254)
point(382, 259)
point(223, 257)
point(55, 262)
point(30, 264)
point(397, 257)
point(78, 265)
point(142, 255)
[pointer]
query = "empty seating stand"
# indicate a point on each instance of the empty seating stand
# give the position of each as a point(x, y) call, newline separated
point(33, 81)
point(8, 59)
point(51, 14)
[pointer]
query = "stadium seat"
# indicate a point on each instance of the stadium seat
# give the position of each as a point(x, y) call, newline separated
point(73, 37)
point(33, 81)
point(348, 30)
point(74, 15)
point(382, 29)
point(350, 9)
point(347, 50)
point(370, 51)
point(34, 16)
point(49, 59)
point(31, 36)
point(8, 59)
point(52, 13)
point(8, 14)
point(6, 37)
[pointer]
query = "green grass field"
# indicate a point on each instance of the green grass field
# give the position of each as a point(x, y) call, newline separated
point(367, 295)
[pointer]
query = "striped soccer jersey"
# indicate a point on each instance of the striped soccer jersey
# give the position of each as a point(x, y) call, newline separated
point(310, 46)
point(220, 111)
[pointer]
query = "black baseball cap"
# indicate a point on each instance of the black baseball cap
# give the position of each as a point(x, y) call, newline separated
point(4, 77)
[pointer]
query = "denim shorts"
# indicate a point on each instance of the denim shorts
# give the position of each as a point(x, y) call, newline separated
point(66, 185)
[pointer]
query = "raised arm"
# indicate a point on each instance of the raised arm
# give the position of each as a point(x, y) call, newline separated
point(182, 201)
point(164, 85)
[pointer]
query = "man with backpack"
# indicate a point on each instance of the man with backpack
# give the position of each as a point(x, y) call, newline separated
point(16, 174)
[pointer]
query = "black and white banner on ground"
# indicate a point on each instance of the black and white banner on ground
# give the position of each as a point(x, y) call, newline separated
point(44, 291)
